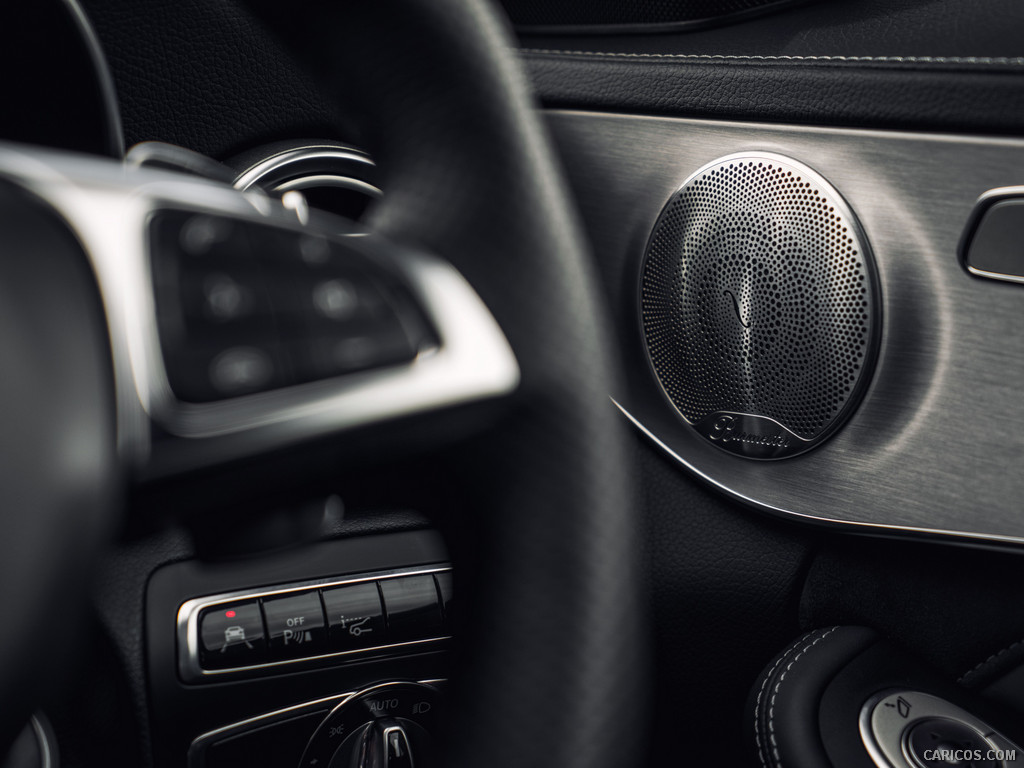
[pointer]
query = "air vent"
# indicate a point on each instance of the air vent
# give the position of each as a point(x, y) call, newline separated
point(333, 177)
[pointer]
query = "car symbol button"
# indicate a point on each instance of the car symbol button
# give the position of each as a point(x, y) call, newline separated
point(231, 636)
point(355, 616)
point(295, 625)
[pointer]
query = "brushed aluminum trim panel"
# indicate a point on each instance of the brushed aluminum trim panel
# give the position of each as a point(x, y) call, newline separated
point(934, 446)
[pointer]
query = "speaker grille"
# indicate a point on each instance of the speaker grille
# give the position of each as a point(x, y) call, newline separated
point(758, 298)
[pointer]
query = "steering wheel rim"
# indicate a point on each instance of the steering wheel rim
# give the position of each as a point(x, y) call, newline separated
point(553, 665)
point(551, 661)
point(59, 480)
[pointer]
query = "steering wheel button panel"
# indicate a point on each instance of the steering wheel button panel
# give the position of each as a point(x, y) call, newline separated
point(341, 318)
point(295, 625)
point(412, 607)
point(232, 635)
point(218, 289)
point(355, 616)
point(244, 307)
point(215, 319)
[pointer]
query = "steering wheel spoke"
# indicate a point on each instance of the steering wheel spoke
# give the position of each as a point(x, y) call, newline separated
point(239, 327)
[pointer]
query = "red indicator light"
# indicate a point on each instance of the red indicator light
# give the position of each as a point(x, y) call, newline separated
point(229, 614)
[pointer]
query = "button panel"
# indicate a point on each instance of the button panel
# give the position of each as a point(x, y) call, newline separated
point(244, 307)
point(326, 621)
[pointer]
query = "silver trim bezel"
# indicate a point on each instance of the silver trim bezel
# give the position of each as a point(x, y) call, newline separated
point(330, 160)
point(191, 671)
point(880, 529)
point(985, 202)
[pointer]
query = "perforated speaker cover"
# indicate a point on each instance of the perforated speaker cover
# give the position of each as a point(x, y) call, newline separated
point(760, 306)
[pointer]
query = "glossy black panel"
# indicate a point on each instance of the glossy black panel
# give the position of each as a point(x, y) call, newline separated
point(412, 607)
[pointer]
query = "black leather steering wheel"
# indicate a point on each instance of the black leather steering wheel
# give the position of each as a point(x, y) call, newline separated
point(552, 664)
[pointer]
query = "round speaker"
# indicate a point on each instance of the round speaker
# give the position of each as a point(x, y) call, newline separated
point(760, 306)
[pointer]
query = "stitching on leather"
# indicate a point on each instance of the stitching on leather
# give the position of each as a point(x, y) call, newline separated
point(761, 749)
point(1016, 61)
point(989, 660)
point(775, 694)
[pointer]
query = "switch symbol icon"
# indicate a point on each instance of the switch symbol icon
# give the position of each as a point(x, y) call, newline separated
point(234, 635)
point(902, 706)
point(295, 637)
point(356, 628)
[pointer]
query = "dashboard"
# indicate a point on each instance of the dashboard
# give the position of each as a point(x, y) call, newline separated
point(341, 512)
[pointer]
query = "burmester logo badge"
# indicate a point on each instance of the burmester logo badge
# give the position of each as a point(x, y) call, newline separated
point(736, 307)
point(726, 429)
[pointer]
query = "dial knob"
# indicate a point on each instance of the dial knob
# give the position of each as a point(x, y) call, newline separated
point(384, 744)
point(386, 726)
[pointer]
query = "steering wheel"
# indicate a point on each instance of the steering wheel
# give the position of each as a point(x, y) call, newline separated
point(552, 668)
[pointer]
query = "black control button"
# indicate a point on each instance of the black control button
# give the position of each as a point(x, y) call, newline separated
point(355, 616)
point(328, 356)
point(203, 373)
point(444, 589)
point(225, 302)
point(295, 625)
point(327, 300)
point(231, 636)
point(412, 608)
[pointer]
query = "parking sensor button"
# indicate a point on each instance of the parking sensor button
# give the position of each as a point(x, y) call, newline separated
point(295, 625)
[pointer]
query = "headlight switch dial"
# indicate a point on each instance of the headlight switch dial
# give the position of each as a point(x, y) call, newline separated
point(386, 726)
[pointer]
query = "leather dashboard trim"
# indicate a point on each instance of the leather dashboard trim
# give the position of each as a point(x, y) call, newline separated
point(964, 94)
point(957, 61)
